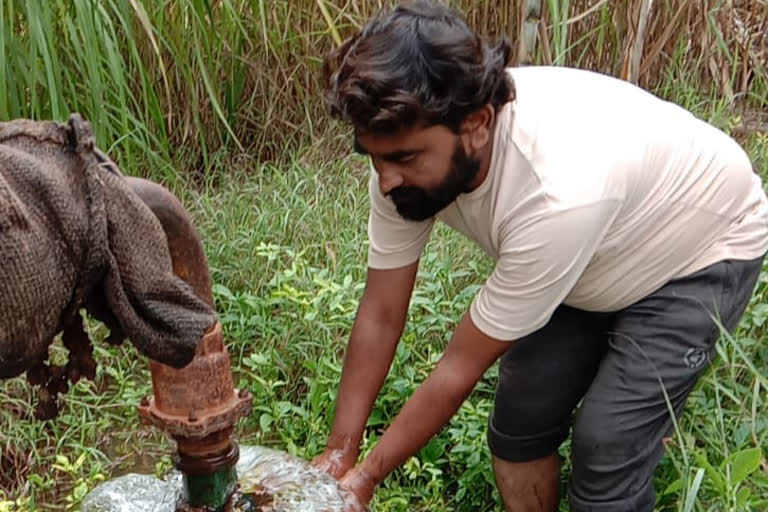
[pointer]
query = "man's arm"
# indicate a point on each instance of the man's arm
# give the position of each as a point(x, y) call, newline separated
point(469, 354)
point(375, 334)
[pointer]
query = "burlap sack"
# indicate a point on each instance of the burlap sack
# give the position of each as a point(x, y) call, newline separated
point(73, 235)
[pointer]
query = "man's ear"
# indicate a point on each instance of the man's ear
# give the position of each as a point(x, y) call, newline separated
point(477, 128)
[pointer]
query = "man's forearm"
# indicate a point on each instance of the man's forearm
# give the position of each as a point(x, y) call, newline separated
point(426, 412)
point(369, 355)
point(377, 329)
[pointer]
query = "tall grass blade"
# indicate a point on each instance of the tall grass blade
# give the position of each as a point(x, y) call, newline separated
point(530, 32)
point(39, 18)
point(329, 21)
point(212, 95)
point(5, 62)
point(693, 491)
point(639, 43)
point(141, 13)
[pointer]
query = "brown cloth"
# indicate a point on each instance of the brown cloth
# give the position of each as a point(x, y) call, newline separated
point(73, 235)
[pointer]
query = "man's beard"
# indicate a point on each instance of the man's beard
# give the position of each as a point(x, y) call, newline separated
point(417, 204)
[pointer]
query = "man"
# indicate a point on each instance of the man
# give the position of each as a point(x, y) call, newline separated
point(625, 231)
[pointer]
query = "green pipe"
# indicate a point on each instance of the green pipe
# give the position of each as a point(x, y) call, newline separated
point(212, 490)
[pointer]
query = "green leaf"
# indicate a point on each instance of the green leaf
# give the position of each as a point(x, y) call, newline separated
point(79, 462)
point(760, 314)
point(80, 491)
point(283, 408)
point(265, 422)
point(717, 478)
point(673, 487)
point(377, 417)
point(743, 464)
point(220, 289)
point(36, 480)
point(742, 497)
point(433, 451)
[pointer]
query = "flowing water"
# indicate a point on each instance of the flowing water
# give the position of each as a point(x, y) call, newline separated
point(269, 481)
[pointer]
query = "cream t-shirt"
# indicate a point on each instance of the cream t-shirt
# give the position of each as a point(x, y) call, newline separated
point(598, 193)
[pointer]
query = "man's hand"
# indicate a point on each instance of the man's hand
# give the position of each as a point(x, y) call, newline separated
point(337, 460)
point(358, 487)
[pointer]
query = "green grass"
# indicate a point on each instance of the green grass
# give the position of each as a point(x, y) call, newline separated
point(167, 83)
point(286, 246)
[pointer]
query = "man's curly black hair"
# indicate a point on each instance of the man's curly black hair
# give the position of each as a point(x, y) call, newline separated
point(419, 63)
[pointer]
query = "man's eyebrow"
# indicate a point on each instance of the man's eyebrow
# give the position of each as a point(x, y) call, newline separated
point(392, 157)
point(400, 155)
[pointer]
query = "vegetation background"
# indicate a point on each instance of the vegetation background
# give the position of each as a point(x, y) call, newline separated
point(220, 101)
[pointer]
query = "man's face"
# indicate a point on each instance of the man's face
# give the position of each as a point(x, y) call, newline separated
point(422, 170)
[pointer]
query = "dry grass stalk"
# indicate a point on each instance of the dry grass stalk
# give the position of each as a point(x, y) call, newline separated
point(531, 16)
point(633, 74)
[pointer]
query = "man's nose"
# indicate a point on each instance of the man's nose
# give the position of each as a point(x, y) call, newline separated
point(389, 179)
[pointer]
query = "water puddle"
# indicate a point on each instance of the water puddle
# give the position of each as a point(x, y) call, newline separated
point(269, 481)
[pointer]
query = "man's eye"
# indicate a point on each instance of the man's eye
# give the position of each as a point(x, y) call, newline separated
point(406, 159)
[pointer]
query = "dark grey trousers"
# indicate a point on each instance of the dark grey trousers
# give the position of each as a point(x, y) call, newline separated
point(619, 366)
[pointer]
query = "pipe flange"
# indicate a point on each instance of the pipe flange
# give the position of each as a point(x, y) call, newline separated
point(197, 425)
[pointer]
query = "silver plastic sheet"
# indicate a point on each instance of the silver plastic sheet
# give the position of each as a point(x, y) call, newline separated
point(295, 486)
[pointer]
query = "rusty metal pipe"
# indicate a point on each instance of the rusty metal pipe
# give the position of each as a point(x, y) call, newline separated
point(187, 254)
point(198, 404)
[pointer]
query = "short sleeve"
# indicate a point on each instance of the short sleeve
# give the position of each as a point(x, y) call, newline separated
point(540, 262)
point(393, 241)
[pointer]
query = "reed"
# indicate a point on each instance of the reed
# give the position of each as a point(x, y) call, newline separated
point(169, 84)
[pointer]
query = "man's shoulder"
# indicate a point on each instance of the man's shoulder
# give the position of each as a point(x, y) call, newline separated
point(563, 75)
point(577, 88)
point(565, 112)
